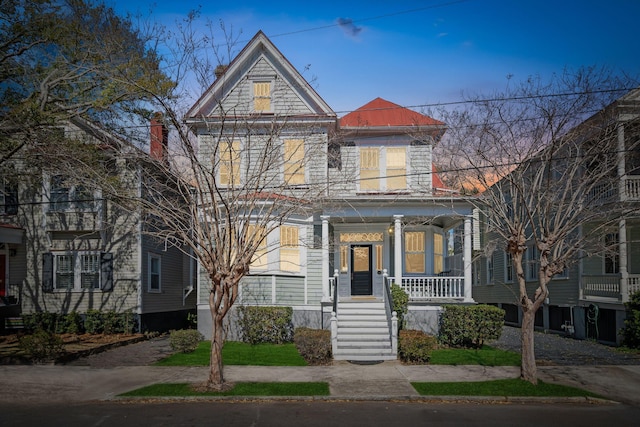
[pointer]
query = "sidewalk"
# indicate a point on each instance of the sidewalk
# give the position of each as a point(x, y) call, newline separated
point(385, 381)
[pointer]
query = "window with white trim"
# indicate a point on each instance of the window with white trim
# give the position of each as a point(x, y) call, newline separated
point(154, 273)
point(230, 162)
point(490, 271)
point(611, 254)
point(508, 262)
point(294, 161)
point(8, 197)
point(383, 168)
point(438, 253)
point(532, 262)
point(262, 96)
point(289, 249)
point(258, 233)
point(77, 270)
point(66, 196)
point(414, 252)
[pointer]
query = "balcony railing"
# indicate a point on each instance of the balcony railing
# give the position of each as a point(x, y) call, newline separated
point(608, 286)
point(632, 187)
point(433, 287)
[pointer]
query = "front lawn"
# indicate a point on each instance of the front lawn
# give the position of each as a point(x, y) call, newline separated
point(485, 356)
point(240, 389)
point(239, 353)
point(507, 387)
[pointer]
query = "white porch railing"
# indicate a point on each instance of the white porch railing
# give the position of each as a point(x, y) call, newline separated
point(608, 286)
point(632, 187)
point(433, 287)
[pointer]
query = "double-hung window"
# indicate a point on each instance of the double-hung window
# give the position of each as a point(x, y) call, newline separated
point(230, 163)
point(8, 198)
point(383, 168)
point(294, 161)
point(64, 196)
point(155, 273)
point(611, 254)
point(533, 262)
point(77, 271)
point(438, 253)
point(289, 249)
point(414, 255)
point(257, 234)
point(262, 96)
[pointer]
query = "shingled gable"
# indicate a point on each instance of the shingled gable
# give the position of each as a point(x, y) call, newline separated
point(260, 58)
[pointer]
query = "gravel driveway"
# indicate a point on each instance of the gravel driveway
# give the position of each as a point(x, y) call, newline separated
point(554, 349)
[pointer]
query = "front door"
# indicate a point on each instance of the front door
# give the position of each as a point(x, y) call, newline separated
point(361, 282)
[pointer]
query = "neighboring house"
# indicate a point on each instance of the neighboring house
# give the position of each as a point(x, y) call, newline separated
point(385, 216)
point(64, 247)
point(587, 300)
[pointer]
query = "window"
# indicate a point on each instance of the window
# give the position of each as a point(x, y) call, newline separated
point(259, 260)
point(438, 253)
point(155, 270)
point(383, 168)
point(533, 263)
point(294, 161)
point(230, 162)
point(396, 168)
point(344, 258)
point(369, 169)
point(611, 254)
point(379, 265)
point(508, 274)
point(289, 249)
point(77, 271)
point(262, 96)
point(414, 251)
point(64, 196)
point(490, 272)
point(8, 198)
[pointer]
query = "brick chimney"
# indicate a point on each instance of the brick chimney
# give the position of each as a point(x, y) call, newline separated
point(158, 148)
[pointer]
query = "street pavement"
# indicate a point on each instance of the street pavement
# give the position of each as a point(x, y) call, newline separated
point(103, 376)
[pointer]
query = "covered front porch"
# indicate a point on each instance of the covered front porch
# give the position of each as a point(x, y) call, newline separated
point(429, 256)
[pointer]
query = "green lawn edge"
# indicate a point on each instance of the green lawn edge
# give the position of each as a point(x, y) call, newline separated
point(514, 387)
point(239, 389)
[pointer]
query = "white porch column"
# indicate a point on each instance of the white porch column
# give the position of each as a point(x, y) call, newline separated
point(622, 255)
point(397, 253)
point(467, 260)
point(325, 258)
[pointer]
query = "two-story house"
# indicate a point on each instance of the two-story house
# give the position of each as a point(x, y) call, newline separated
point(587, 299)
point(380, 214)
point(66, 246)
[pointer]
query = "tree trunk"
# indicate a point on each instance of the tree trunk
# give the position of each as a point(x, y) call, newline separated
point(528, 370)
point(216, 378)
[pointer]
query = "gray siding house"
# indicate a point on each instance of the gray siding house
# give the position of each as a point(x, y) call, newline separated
point(587, 300)
point(64, 246)
point(383, 217)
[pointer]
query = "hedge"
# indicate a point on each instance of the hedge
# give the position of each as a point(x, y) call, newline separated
point(271, 325)
point(470, 326)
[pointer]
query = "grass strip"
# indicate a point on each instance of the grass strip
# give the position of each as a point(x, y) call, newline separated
point(240, 389)
point(506, 387)
point(485, 356)
point(239, 353)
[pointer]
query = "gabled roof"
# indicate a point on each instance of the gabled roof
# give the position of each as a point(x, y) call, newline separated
point(383, 113)
point(259, 48)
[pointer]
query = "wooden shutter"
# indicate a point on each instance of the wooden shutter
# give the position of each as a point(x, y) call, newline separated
point(106, 271)
point(47, 272)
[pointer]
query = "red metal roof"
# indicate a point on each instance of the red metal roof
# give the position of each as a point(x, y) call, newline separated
point(381, 112)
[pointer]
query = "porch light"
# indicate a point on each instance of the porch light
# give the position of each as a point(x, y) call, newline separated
point(392, 227)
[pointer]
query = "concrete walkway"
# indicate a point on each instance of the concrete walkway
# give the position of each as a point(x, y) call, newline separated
point(384, 381)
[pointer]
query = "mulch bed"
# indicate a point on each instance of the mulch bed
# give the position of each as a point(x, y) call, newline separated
point(75, 346)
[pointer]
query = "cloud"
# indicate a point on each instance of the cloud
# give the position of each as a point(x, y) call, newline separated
point(440, 35)
point(348, 26)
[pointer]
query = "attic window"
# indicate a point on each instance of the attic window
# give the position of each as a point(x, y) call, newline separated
point(262, 96)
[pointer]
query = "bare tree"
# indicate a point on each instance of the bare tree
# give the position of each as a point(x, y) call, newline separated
point(544, 157)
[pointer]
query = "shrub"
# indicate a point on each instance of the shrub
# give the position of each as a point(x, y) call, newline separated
point(271, 325)
point(41, 346)
point(631, 331)
point(185, 340)
point(41, 320)
point(93, 322)
point(314, 345)
point(415, 346)
point(470, 326)
point(400, 304)
point(70, 323)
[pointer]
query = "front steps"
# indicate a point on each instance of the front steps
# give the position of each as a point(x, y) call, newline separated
point(363, 331)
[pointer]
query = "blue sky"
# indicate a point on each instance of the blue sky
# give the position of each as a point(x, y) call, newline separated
point(427, 52)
